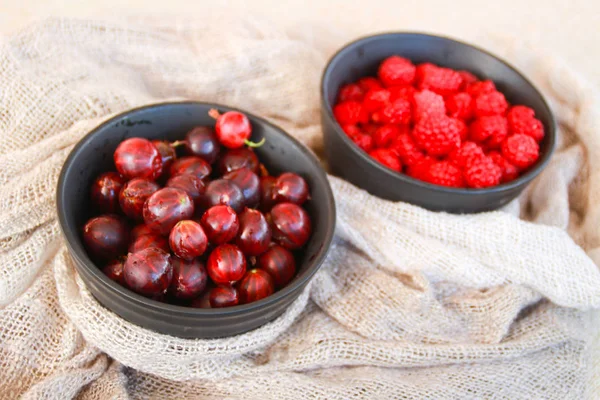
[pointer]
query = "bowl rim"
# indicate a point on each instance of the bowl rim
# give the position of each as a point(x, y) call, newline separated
point(71, 234)
point(503, 187)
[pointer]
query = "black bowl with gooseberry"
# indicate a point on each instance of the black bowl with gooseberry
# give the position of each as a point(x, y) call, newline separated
point(434, 122)
point(194, 220)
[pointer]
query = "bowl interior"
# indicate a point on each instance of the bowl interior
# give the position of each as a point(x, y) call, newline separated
point(362, 57)
point(94, 155)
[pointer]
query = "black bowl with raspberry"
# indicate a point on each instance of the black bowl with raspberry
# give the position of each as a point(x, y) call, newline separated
point(434, 122)
point(193, 219)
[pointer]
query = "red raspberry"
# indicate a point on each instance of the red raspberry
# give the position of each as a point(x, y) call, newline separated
point(427, 104)
point(444, 173)
point(468, 78)
point(460, 105)
point(396, 70)
point(350, 92)
point(376, 99)
point(491, 130)
point(420, 169)
point(370, 129)
point(444, 81)
point(438, 136)
point(521, 119)
point(520, 150)
point(351, 130)
point(466, 155)
point(397, 112)
point(350, 112)
point(480, 87)
point(363, 141)
point(406, 148)
point(402, 92)
point(385, 135)
point(388, 158)
point(483, 173)
point(509, 171)
point(368, 83)
point(492, 103)
point(463, 131)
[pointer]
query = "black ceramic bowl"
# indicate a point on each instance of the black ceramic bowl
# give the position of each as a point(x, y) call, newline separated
point(362, 57)
point(94, 154)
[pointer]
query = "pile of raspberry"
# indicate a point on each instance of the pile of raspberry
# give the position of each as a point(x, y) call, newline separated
point(439, 125)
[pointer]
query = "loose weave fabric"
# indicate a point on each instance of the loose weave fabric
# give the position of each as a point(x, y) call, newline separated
point(409, 304)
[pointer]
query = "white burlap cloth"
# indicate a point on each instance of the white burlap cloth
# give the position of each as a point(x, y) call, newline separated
point(409, 304)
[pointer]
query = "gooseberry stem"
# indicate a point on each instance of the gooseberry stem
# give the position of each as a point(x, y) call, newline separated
point(254, 145)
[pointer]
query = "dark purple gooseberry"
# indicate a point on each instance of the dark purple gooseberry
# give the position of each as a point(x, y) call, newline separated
point(223, 296)
point(202, 142)
point(291, 188)
point(226, 264)
point(291, 225)
point(222, 191)
point(279, 263)
point(203, 301)
point(140, 230)
point(255, 285)
point(150, 240)
point(191, 165)
point(254, 235)
point(167, 154)
point(190, 184)
point(148, 272)
point(189, 278)
point(267, 194)
point(248, 182)
point(133, 196)
point(105, 192)
point(114, 271)
point(220, 223)
point(138, 158)
point(165, 208)
point(188, 240)
point(106, 237)
point(234, 159)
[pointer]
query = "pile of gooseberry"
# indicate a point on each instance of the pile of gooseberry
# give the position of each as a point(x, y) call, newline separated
point(198, 222)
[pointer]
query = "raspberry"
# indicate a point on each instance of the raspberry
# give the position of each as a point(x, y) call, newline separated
point(368, 83)
point(509, 171)
point(397, 112)
point(444, 173)
point(492, 103)
point(363, 141)
point(468, 78)
point(350, 92)
point(350, 112)
point(480, 87)
point(420, 169)
point(376, 99)
point(466, 155)
point(402, 92)
point(463, 131)
point(370, 129)
point(427, 104)
point(388, 158)
point(406, 148)
point(444, 81)
point(520, 150)
point(483, 173)
point(385, 135)
point(396, 70)
point(491, 130)
point(521, 119)
point(438, 135)
point(460, 105)
point(351, 130)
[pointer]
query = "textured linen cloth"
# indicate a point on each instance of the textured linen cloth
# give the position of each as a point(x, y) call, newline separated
point(409, 303)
